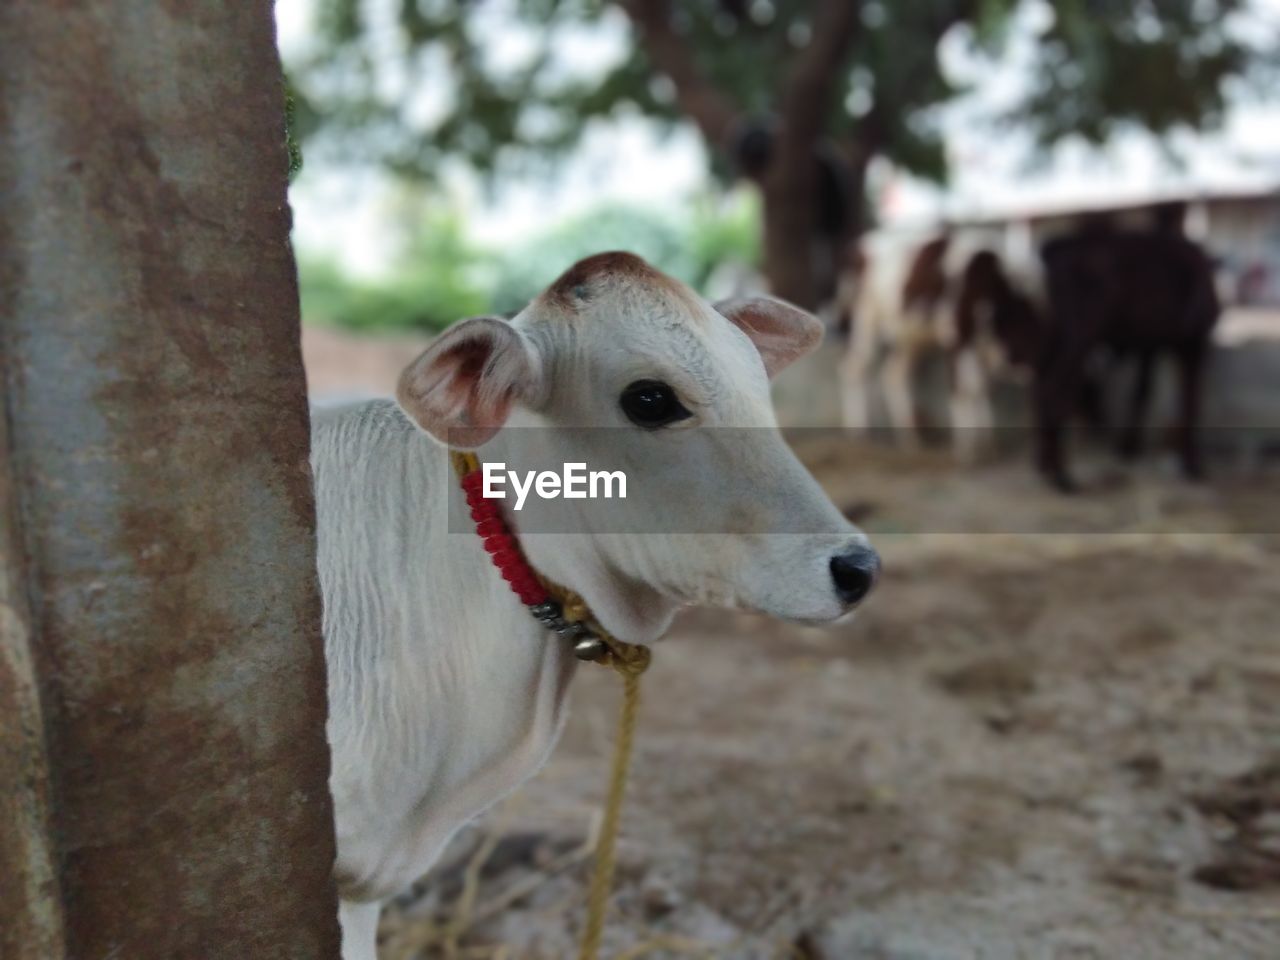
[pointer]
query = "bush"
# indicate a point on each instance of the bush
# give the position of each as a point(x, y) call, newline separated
point(720, 233)
point(526, 271)
point(440, 277)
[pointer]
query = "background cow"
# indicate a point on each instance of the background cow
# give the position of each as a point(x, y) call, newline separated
point(1138, 295)
point(949, 293)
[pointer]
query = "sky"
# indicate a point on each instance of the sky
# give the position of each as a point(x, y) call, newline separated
point(345, 214)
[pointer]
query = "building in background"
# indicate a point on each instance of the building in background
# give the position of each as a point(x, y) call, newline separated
point(1240, 228)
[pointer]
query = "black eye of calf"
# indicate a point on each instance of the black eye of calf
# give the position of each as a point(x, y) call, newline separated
point(652, 403)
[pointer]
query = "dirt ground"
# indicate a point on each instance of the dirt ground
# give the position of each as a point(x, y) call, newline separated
point(1033, 745)
point(1052, 734)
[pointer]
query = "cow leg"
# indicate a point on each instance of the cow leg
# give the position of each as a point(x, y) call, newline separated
point(972, 418)
point(1092, 401)
point(359, 922)
point(1191, 366)
point(1049, 452)
point(1057, 385)
point(857, 376)
point(1131, 438)
point(900, 398)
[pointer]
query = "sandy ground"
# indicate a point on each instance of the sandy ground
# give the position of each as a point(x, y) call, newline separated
point(1060, 739)
point(1048, 745)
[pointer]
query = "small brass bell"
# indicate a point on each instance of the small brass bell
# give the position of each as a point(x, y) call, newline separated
point(590, 648)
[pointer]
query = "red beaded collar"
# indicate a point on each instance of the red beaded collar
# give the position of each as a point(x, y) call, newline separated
point(555, 607)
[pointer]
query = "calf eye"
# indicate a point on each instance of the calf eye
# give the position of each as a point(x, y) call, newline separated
point(652, 403)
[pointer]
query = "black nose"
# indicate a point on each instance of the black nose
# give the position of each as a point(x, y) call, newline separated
point(854, 573)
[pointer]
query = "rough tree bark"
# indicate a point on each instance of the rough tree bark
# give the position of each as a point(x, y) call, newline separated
point(162, 708)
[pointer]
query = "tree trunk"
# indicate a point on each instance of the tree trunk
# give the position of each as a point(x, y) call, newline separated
point(168, 723)
point(802, 261)
point(789, 197)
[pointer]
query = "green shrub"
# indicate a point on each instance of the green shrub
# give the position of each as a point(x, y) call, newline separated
point(527, 270)
point(720, 233)
point(440, 277)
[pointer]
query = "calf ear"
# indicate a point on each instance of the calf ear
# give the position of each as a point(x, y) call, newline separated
point(782, 333)
point(460, 390)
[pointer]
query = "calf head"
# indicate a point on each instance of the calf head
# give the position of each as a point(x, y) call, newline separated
point(623, 368)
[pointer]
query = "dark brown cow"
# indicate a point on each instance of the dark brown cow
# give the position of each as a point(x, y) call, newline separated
point(1139, 295)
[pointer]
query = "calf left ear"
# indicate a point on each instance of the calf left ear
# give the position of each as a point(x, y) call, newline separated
point(460, 390)
point(782, 333)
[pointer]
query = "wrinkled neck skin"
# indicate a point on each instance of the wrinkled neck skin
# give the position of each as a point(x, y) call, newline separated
point(444, 693)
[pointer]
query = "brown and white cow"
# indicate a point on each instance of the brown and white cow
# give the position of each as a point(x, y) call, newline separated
point(947, 292)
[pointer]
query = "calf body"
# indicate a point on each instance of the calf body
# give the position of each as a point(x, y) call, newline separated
point(444, 693)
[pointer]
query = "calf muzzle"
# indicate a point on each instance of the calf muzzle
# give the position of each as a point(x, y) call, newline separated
point(854, 573)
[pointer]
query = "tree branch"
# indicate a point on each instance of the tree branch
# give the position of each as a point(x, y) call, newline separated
point(713, 112)
point(807, 94)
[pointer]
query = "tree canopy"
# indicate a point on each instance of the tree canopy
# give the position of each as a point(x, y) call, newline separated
point(412, 83)
point(435, 275)
point(798, 96)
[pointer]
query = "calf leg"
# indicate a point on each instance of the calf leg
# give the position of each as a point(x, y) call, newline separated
point(1131, 439)
point(359, 922)
point(1191, 364)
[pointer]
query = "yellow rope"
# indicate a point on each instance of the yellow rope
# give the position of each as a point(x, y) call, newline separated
point(464, 462)
point(602, 877)
point(629, 660)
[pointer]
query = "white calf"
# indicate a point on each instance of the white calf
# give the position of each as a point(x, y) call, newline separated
point(444, 693)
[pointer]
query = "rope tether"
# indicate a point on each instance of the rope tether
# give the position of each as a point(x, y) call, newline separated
point(564, 612)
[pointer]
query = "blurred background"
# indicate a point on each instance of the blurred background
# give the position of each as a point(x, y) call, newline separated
point(1055, 732)
point(457, 154)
